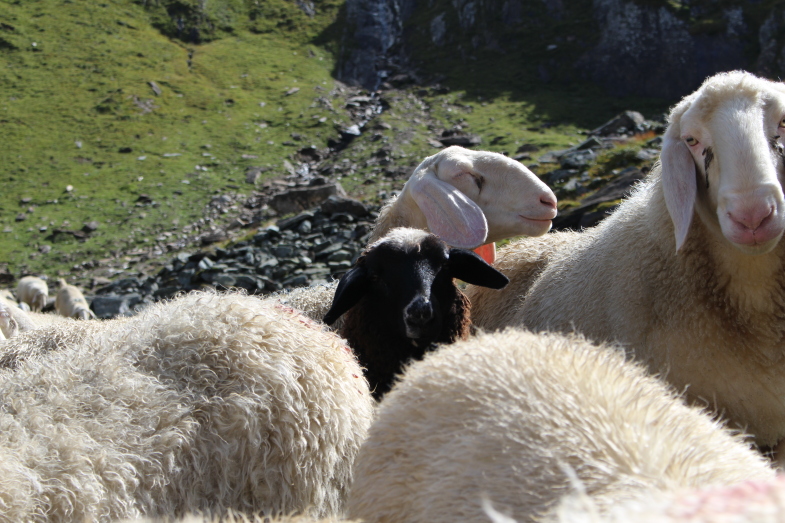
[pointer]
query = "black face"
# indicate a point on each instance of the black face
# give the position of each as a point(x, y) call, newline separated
point(416, 283)
point(412, 284)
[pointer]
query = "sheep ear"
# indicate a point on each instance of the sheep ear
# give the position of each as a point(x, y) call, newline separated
point(679, 186)
point(350, 290)
point(471, 268)
point(451, 215)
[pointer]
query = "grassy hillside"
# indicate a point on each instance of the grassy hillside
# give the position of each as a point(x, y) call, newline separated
point(134, 113)
point(78, 109)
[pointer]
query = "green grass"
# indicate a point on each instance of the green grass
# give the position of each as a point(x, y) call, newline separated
point(77, 109)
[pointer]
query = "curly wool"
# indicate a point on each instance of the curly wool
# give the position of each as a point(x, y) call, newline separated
point(205, 403)
point(503, 417)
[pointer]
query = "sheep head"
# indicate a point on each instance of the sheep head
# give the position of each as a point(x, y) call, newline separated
point(411, 272)
point(468, 198)
point(722, 156)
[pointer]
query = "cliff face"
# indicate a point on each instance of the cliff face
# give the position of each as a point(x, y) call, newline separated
point(627, 47)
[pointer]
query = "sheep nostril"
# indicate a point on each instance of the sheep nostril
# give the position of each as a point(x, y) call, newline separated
point(754, 219)
point(419, 313)
point(548, 200)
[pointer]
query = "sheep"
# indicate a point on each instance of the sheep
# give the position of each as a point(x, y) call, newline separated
point(33, 291)
point(760, 501)
point(506, 419)
point(241, 518)
point(399, 299)
point(8, 325)
point(709, 314)
point(206, 403)
point(71, 303)
point(465, 197)
point(469, 198)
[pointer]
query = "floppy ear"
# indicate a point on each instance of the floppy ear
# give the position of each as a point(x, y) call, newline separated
point(350, 290)
point(679, 185)
point(471, 268)
point(451, 215)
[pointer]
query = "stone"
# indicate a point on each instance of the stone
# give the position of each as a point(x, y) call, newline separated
point(456, 137)
point(577, 159)
point(297, 200)
point(90, 226)
point(339, 204)
point(628, 120)
point(112, 306)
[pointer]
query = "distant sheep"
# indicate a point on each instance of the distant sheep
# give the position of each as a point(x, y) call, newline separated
point(399, 299)
point(8, 325)
point(507, 419)
point(71, 303)
point(205, 403)
point(33, 291)
point(688, 272)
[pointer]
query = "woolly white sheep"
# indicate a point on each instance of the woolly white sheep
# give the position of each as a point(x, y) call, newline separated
point(399, 299)
point(33, 291)
point(205, 403)
point(759, 501)
point(707, 311)
point(507, 418)
point(71, 303)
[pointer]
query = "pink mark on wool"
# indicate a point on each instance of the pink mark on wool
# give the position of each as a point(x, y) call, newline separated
point(736, 499)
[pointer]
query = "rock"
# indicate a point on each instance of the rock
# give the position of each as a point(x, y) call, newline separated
point(628, 122)
point(253, 174)
point(90, 226)
point(577, 159)
point(297, 200)
point(339, 204)
point(527, 148)
point(456, 137)
point(111, 306)
point(156, 89)
point(294, 221)
point(615, 190)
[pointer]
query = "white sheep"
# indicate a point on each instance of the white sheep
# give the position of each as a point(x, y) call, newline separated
point(507, 418)
point(758, 501)
point(688, 273)
point(469, 198)
point(205, 403)
point(465, 197)
point(71, 303)
point(33, 291)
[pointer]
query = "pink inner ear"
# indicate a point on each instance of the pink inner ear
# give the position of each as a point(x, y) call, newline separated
point(451, 215)
point(679, 186)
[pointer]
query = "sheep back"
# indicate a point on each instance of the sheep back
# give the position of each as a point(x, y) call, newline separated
point(521, 261)
point(505, 416)
point(205, 403)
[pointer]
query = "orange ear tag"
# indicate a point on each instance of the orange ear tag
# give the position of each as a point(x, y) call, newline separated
point(487, 252)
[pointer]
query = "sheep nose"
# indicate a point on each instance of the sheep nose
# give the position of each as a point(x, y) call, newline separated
point(548, 200)
point(752, 219)
point(419, 312)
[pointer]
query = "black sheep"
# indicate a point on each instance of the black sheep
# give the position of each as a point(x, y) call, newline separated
point(399, 300)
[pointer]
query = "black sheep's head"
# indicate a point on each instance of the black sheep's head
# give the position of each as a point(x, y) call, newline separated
point(407, 276)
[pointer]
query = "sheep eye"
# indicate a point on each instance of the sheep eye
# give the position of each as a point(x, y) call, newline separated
point(782, 122)
point(691, 141)
point(479, 180)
